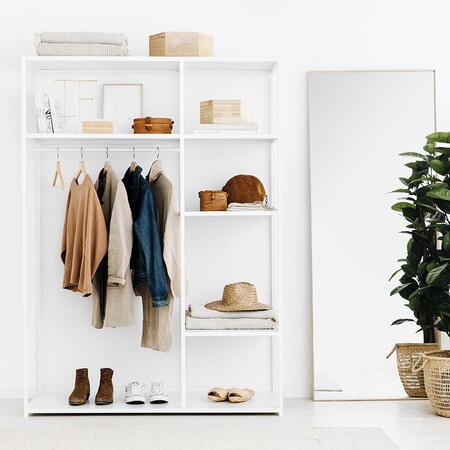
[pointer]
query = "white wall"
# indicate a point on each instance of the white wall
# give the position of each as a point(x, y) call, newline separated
point(306, 35)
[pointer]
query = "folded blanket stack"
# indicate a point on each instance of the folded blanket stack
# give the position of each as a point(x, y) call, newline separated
point(255, 206)
point(200, 318)
point(80, 44)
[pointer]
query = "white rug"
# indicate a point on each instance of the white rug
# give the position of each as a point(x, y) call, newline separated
point(190, 437)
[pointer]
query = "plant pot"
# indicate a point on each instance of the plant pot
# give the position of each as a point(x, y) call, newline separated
point(436, 368)
point(407, 355)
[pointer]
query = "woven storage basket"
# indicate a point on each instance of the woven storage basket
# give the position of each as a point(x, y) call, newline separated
point(436, 369)
point(407, 356)
point(213, 200)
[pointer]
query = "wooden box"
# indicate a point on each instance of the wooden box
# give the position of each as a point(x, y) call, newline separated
point(181, 43)
point(98, 127)
point(227, 111)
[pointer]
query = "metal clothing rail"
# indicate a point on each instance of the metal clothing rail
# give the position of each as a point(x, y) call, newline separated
point(97, 149)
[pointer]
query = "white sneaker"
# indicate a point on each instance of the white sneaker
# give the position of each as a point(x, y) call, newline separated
point(157, 393)
point(134, 394)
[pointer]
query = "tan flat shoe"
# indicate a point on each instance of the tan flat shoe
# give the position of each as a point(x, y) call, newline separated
point(218, 394)
point(240, 395)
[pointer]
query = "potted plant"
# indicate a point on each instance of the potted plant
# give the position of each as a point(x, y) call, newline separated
point(425, 272)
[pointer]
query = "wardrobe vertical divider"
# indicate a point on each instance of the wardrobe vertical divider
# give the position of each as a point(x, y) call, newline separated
point(182, 239)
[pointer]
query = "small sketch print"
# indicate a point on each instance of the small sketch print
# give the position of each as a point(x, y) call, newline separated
point(121, 104)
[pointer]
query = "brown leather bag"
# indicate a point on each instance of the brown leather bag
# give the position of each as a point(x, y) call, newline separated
point(152, 125)
point(244, 189)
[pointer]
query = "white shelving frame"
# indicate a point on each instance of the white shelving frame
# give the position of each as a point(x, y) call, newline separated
point(34, 144)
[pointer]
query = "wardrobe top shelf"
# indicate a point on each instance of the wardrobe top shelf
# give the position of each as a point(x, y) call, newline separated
point(139, 140)
point(144, 63)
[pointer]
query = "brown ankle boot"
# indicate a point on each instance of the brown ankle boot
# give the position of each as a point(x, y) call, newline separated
point(105, 389)
point(81, 391)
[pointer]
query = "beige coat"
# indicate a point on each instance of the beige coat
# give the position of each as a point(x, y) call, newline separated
point(85, 239)
point(119, 310)
point(157, 322)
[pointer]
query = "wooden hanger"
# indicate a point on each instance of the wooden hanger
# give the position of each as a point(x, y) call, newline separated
point(58, 173)
point(81, 167)
point(107, 164)
point(133, 164)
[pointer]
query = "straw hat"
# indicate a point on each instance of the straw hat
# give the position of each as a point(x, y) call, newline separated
point(238, 297)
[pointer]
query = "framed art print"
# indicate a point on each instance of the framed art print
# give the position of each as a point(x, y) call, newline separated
point(121, 104)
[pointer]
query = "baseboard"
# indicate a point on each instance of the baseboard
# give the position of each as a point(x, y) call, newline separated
point(11, 392)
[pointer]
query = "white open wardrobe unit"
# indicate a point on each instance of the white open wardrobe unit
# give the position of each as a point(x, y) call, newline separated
point(218, 248)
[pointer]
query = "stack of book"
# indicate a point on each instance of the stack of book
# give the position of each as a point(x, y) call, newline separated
point(47, 113)
point(224, 128)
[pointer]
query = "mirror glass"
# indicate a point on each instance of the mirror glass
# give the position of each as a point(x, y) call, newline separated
point(359, 123)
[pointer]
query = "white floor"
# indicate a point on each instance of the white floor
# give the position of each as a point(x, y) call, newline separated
point(411, 424)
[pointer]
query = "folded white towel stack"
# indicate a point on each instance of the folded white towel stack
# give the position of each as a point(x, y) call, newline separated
point(49, 43)
point(193, 323)
point(255, 206)
point(199, 311)
point(200, 318)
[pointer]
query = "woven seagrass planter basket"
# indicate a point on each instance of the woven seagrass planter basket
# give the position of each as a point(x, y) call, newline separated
point(407, 356)
point(436, 369)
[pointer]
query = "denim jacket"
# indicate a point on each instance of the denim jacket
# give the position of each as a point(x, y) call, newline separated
point(146, 257)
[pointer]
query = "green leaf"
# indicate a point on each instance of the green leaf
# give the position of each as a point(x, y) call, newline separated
point(443, 205)
point(413, 154)
point(409, 270)
point(443, 150)
point(438, 166)
point(401, 190)
point(400, 321)
point(440, 193)
point(393, 275)
point(414, 304)
point(401, 205)
point(439, 185)
point(434, 275)
point(419, 180)
point(421, 268)
point(412, 258)
point(446, 242)
point(439, 136)
point(399, 288)
point(429, 147)
point(429, 207)
point(410, 213)
point(405, 181)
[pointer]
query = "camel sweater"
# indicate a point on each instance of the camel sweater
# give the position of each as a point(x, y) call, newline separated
point(85, 238)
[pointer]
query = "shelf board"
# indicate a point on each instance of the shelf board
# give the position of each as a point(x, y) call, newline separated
point(212, 137)
point(104, 63)
point(144, 63)
point(225, 64)
point(197, 402)
point(262, 402)
point(111, 140)
point(229, 213)
point(230, 333)
point(56, 403)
